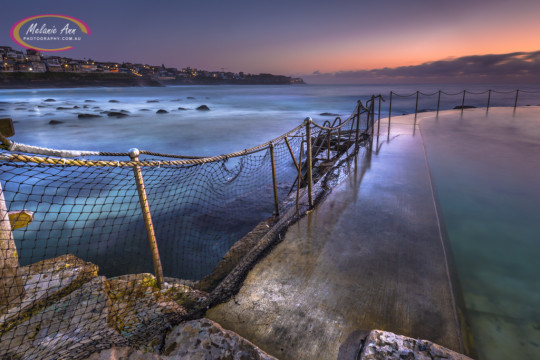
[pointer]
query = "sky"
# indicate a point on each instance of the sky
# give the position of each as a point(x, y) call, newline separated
point(323, 41)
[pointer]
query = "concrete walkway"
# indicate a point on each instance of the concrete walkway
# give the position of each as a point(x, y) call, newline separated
point(370, 256)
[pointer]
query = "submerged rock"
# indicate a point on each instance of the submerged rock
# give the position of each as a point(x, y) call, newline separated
point(203, 107)
point(190, 98)
point(116, 113)
point(114, 101)
point(161, 111)
point(88, 116)
point(328, 114)
point(49, 100)
point(89, 101)
point(181, 108)
point(64, 108)
point(205, 339)
point(144, 110)
point(152, 101)
point(55, 122)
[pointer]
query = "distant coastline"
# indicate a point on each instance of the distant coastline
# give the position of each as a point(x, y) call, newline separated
point(20, 80)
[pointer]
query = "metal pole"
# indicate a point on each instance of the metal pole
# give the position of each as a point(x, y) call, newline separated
point(390, 110)
point(309, 161)
point(463, 100)
point(489, 99)
point(372, 111)
point(274, 181)
point(379, 118)
point(329, 139)
point(438, 102)
point(299, 174)
point(515, 103)
point(292, 154)
point(11, 286)
point(134, 155)
point(416, 108)
point(357, 124)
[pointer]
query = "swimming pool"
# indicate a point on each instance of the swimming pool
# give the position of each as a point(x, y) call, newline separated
point(485, 171)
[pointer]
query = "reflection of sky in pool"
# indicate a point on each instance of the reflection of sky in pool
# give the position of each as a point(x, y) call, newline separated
point(486, 174)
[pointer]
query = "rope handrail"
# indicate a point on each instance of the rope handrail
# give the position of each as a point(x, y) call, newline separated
point(61, 157)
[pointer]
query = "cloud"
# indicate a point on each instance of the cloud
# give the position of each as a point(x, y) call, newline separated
point(512, 67)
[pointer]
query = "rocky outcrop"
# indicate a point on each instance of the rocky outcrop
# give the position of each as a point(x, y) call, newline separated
point(384, 345)
point(203, 108)
point(205, 339)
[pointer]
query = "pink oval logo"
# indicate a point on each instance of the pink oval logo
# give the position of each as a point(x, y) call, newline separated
point(49, 32)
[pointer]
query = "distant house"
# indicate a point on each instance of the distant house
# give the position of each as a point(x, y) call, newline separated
point(53, 65)
point(24, 67)
point(88, 66)
point(38, 66)
point(7, 66)
point(33, 55)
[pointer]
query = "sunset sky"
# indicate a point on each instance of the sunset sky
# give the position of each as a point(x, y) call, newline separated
point(294, 37)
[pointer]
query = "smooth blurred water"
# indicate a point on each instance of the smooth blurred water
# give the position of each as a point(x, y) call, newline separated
point(240, 116)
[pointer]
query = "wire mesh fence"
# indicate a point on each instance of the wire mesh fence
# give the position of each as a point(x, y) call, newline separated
point(79, 235)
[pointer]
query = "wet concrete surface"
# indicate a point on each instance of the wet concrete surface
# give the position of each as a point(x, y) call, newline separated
point(370, 256)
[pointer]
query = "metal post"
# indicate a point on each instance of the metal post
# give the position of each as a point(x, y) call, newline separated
point(292, 154)
point(390, 109)
point(329, 140)
point(515, 103)
point(299, 173)
point(357, 124)
point(372, 111)
point(438, 102)
point(134, 155)
point(11, 286)
point(379, 119)
point(309, 161)
point(489, 99)
point(274, 181)
point(416, 108)
point(463, 100)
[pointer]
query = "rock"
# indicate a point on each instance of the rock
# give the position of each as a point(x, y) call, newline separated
point(124, 353)
point(203, 107)
point(205, 339)
point(19, 108)
point(386, 345)
point(425, 110)
point(49, 100)
point(144, 110)
point(459, 107)
point(114, 101)
point(190, 98)
point(181, 108)
point(116, 113)
point(85, 106)
point(55, 122)
point(45, 282)
point(88, 116)
point(124, 111)
point(64, 108)
point(89, 101)
point(152, 101)
point(161, 111)
point(328, 114)
point(73, 327)
point(184, 295)
point(140, 312)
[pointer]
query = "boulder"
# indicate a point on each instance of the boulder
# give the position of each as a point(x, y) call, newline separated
point(116, 114)
point(73, 327)
point(49, 100)
point(140, 312)
point(381, 345)
point(45, 282)
point(205, 339)
point(203, 108)
point(184, 295)
point(88, 116)
point(161, 111)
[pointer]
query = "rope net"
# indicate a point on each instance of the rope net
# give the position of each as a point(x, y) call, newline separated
point(75, 244)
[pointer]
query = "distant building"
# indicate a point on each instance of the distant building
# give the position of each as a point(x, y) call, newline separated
point(53, 65)
point(38, 66)
point(7, 66)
